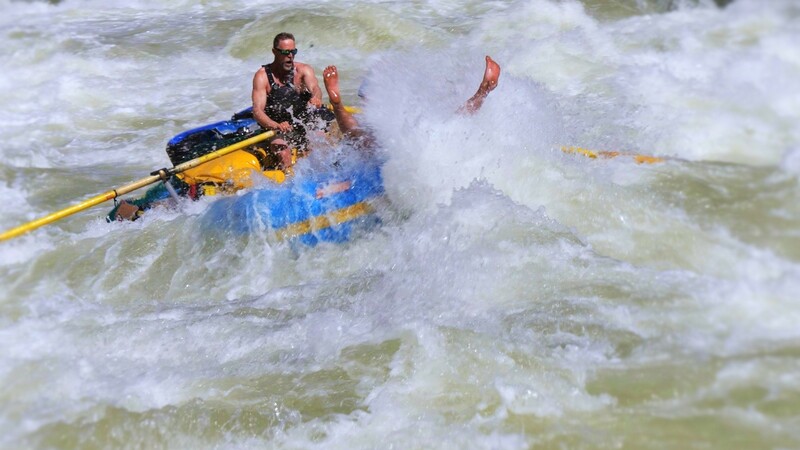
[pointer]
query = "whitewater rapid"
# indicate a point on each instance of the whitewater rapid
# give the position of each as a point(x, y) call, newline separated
point(515, 296)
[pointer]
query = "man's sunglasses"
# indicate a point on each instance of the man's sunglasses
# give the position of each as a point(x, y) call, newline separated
point(287, 52)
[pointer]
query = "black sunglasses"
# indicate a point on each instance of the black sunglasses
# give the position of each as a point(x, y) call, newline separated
point(287, 52)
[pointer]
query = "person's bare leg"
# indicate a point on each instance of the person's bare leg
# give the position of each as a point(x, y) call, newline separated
point(347, 123)
point(490, 78)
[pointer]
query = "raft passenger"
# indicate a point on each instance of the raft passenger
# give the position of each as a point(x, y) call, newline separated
point(350, 126)
point(286, 94)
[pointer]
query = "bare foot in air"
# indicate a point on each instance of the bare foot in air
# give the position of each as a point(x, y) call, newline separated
point(331, 79)
point(491, 75)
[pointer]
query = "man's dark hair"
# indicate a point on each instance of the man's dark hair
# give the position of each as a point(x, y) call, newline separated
point(280, 37)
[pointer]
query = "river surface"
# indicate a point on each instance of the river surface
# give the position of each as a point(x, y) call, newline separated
point(515, 296)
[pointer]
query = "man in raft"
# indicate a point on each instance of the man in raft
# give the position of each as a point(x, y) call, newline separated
point(286, 93)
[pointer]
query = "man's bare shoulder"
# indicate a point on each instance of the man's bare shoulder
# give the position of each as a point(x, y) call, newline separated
point(304, 69)
point(260, 77)
point(261, 72)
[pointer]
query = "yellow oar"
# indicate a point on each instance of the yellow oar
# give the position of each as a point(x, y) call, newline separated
point(350, 109)
point(158, 175)
point(594, 154)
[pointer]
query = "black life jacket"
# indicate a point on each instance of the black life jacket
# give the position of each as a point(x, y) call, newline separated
point(285, 104)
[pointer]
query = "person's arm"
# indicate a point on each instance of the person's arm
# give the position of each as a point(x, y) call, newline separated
point(310, 82)
point(260, 85)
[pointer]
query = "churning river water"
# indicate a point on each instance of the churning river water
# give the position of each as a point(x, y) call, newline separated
point(515, 296)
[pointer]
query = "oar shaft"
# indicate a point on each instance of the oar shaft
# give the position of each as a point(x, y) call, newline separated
point(65, 212)
point(350, 109)
point(221, 152)
point(131, 187)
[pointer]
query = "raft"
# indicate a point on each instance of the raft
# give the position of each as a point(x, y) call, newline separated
point(318, 206)
point(326, 204)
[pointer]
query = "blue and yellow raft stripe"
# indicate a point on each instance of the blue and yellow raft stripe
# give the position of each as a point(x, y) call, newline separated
point(330, 219)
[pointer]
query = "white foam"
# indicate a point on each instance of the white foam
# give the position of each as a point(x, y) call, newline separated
point(506, 278)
